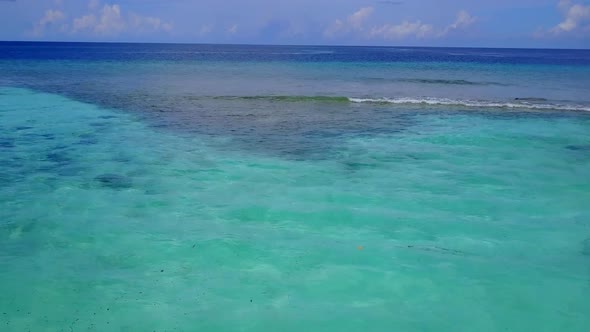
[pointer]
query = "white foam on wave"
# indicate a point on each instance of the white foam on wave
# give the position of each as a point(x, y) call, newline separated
point(471, 103)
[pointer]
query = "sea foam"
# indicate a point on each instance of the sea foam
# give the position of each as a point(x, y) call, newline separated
point(516, 104)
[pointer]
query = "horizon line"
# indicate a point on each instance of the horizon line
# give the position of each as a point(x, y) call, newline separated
point(288, 45)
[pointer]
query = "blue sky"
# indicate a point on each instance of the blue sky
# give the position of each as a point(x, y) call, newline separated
point(497, 23)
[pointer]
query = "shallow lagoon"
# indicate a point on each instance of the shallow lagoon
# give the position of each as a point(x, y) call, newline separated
point(111, 223)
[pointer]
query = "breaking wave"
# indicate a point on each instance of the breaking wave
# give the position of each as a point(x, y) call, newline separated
point(516, 103)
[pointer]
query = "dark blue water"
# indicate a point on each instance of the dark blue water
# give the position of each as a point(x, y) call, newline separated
point(190, 52)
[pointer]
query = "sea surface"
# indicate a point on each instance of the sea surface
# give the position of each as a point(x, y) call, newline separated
point(162, 187)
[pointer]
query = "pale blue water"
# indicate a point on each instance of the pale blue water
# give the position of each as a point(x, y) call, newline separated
point(257, 192)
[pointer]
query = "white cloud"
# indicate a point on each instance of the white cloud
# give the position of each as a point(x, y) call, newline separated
point(403, 30)
point(147, 23)
point(356, 24)
point(233, 29)
point(51, 17)
point(83, 23)
point(576, 18)
point(464, 19)
point(111, 21)
point(357, 19)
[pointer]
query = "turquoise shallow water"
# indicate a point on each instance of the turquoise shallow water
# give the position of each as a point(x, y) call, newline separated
point(451, 220)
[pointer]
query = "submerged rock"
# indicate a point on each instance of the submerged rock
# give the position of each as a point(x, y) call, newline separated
point(114, 181)
point(436, 249)
point(6, 143)
point(578, 147)
point(58, 157)
point(99, 124)
point(87, 139)
point(586, 247)
point(531, 99)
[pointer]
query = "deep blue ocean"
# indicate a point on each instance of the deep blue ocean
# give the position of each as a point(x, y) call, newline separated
point(169, 187)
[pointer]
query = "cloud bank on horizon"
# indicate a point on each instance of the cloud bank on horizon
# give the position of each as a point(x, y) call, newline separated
point(500, 23)
point(576, 18)
point(356, 23)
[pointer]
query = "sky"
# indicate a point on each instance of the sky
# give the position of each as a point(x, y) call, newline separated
point(469, 23)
